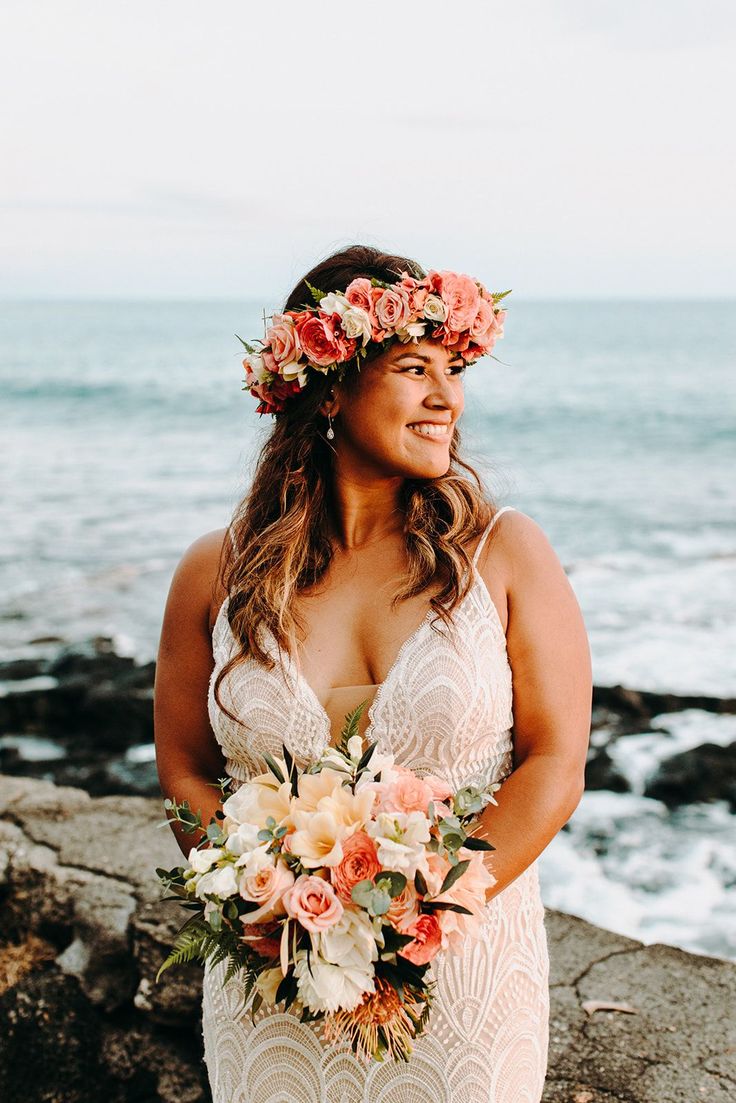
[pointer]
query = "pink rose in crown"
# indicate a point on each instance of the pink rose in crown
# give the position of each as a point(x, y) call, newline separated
point(283, 339)
point(483, 327)
point(460, 295)
point(313, 903)
point(269, 361)
point(392, 308)
point(360, 293)
point(427, 942)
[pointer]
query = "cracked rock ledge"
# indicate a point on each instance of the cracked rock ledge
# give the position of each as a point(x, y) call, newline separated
point(84, 931)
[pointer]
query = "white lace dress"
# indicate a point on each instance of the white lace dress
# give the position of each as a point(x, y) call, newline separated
point(445, 707)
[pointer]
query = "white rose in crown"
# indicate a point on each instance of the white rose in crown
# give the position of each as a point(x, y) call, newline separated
point(356, 323)
point(434, 309)
point(295, 370)
point(413, 330)
point(335, 303)
point(259, 369)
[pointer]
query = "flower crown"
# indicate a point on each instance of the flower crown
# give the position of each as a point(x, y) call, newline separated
point(446, 306)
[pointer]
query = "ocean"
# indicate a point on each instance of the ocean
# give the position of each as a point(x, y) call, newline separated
point(126, 435)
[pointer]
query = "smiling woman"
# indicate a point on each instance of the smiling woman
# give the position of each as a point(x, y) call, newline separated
point(381, 569)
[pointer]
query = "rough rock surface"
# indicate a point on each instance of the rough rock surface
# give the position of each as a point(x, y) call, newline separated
point(85, 1021)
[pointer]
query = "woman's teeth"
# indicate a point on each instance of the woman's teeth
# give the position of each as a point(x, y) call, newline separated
point(427, 430)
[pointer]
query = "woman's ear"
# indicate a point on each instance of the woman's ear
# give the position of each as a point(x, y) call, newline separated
point(330, 405)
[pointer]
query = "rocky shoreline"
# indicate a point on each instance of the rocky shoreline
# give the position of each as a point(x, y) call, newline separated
point(84, 717)
point(84, 931)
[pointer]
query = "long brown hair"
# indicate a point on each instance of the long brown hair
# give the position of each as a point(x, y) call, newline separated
point(278, 537)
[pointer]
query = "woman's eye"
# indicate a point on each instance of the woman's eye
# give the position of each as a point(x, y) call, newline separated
point(455, 370)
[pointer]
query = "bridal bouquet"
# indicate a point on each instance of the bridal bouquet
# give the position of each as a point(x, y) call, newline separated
point(334, 888)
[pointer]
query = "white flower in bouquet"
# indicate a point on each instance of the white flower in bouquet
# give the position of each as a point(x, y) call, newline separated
point(220, 882)
point(255, 801)
point(355, 747)
point(400, 839)
point(350, 942)
point(326, 987)
point(336, 762)
point(251, 862)
point(201, 860)
point(243, 839)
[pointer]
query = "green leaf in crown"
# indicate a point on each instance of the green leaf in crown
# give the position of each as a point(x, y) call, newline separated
point(315, 293)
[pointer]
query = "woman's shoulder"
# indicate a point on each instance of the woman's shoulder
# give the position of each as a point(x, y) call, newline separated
point(519, 547)
point(199, 572)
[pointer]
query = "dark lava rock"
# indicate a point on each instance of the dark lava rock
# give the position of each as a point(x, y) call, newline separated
point(600, 773)
point(644, 703)
point(51, 1043)
point(703, 773)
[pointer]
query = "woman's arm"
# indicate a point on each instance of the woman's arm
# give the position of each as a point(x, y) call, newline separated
point(188, 757)
point(550, 663)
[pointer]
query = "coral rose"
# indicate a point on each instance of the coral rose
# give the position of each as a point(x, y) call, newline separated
point(427, 940)
point(317, 341)
point(313, 903)
point(360, 862)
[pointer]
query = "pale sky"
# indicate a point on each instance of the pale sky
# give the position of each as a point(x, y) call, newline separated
point(568, 149)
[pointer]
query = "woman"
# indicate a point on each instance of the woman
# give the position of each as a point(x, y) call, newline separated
point(367, 564)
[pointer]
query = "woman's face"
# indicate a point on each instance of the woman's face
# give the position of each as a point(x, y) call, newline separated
point(400, 416)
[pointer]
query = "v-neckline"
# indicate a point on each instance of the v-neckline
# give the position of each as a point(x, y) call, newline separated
point(298, 680)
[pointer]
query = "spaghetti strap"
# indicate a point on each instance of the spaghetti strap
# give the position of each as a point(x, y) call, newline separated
point(482, 540)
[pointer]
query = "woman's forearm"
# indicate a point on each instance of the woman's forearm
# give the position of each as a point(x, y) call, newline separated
point(534, 802)
point(202, 797)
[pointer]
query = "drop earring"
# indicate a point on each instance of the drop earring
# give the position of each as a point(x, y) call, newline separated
point(330, 431)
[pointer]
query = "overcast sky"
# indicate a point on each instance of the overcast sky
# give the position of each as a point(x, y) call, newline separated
point(575, 148)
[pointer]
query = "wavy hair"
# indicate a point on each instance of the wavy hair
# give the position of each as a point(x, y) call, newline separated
point(278, 537)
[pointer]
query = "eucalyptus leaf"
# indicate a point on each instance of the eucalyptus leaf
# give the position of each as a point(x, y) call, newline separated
point(362, 892)
point(393, 882)
point(453, 874)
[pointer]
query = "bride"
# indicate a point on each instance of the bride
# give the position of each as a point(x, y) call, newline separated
point(368, 564)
